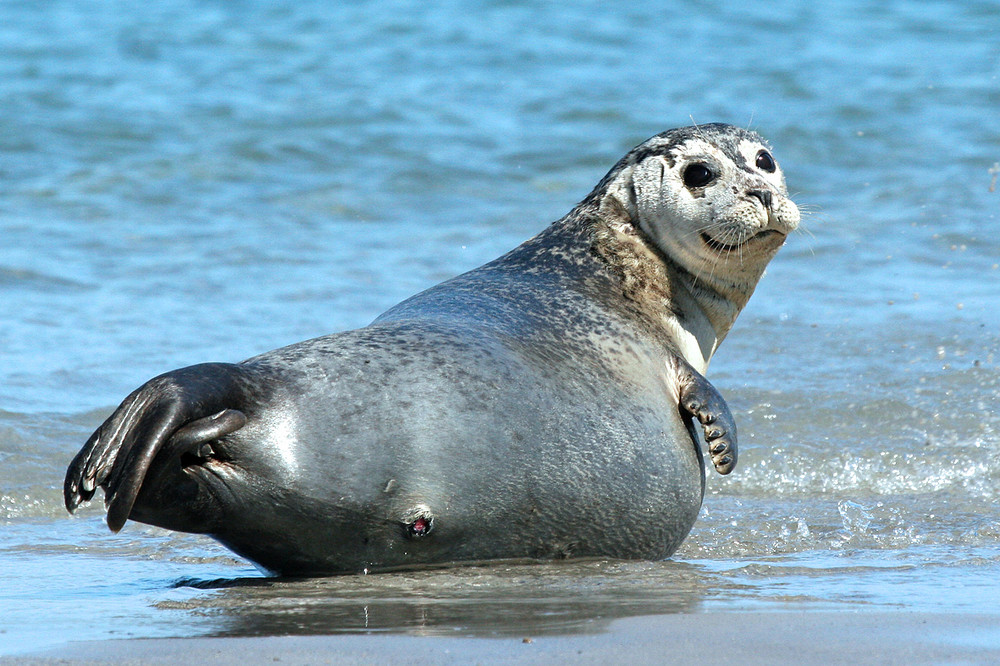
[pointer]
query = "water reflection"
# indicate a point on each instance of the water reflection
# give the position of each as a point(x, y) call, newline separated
point(487, 601)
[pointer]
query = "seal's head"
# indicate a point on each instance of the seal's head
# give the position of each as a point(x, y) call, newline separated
point(712, 198)
point(689, 219)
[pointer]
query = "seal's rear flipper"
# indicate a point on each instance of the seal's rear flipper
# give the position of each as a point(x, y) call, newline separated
point(205, 430)
point(182, 408)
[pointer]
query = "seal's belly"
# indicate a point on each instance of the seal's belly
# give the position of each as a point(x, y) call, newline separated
point(443, 463)
point(594, 474)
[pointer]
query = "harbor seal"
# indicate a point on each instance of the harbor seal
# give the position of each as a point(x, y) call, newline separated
point(540, 406)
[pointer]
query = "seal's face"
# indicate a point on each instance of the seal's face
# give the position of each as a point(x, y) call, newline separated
point(713, 198)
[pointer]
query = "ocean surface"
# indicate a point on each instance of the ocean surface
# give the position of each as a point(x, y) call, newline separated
point(190, 181)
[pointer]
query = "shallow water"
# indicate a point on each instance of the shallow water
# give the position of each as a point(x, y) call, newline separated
point(185, 182)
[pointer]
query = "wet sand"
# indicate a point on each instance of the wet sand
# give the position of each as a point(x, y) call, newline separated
point(704, 638)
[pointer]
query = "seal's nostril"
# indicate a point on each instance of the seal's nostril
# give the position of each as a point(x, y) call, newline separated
point(764, 196)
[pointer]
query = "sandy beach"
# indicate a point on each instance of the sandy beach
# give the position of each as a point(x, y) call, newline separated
point(704, 638)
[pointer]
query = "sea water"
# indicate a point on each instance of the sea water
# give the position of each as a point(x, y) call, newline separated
point(190, 181)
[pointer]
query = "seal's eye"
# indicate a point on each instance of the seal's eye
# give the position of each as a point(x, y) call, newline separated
point(766, 162)
point(698, 175)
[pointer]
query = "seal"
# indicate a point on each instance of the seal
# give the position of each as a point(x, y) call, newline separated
point(540, 406)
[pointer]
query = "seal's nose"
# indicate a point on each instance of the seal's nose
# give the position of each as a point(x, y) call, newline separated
point(764, 196)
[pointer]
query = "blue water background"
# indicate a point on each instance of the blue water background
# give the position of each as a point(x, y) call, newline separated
point(191, 181)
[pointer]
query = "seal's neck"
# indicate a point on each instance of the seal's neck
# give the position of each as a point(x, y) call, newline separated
point(707, 317)
point(696, 313)
point(695, 317)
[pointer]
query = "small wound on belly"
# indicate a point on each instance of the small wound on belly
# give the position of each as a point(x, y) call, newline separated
point(419, 523)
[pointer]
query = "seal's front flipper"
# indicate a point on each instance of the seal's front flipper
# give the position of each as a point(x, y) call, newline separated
point(702, 401)
point(183, 408)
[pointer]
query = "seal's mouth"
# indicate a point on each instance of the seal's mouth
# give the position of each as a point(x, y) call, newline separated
point(719, 246)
